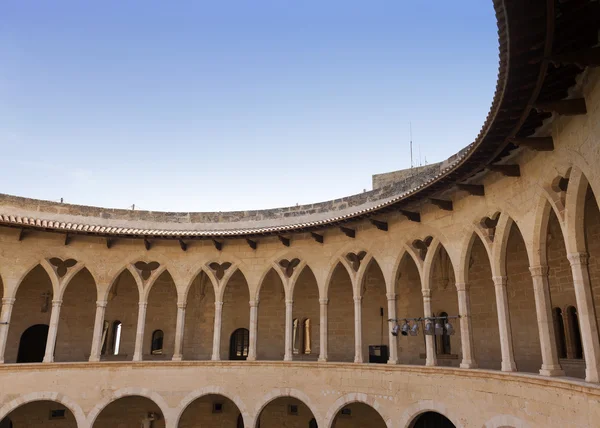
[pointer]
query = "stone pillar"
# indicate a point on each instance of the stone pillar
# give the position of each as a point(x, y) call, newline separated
point(466, 327)
point(289, 307)
point(587, 315)
point(506, 345)
point(52, 331)
point(98, 330)
point(323, 329)
point(179, 329)
point(139, 334)
point(358, 355)
point(253, 330)
point(431, 358)
point(216, 353)
point(7, 306)
point(543, 308)
point(393, 340)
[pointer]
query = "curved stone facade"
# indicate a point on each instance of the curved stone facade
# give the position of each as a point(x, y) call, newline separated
point(126, 319)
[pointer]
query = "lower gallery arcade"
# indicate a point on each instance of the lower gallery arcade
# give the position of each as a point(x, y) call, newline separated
point(475, 309)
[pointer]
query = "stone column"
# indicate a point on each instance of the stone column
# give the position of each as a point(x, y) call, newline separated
point(289, 307)
point(252, 339)
point(179, 329)
point(139, 334)
point(587, 315)
point(98, 330)
point(393, 340)
point(216, 353)
point(506, 345)
point(431, 358)
point(466, 327)
point(7, 306)
point(52, 331)
point(543, 308)
point(358, 355)
point(323, 329)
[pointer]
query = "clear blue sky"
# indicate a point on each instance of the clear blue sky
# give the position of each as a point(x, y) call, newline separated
point(231, 104)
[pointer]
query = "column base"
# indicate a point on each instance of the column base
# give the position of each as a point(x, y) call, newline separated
point(137, 358)
point(251, 358)
point(287, 358)
point(509, 367)
point(48, 360)
point(392, 362)
point(358, 360)
point(591, 376)
point(215, 358)
point(94, 359)
point(468, 365)
point(322, 360)
point(553, 371)
point(177, 358)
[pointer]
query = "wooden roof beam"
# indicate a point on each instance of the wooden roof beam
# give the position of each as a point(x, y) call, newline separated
point(22, 234)
point(506, 170)
point(285, 241)
point(147, 244)
point(381, 225)
point(582, 58)
point(252, 244)
point(539, 144)
point(472, 189)
point(412, 216)
point(319, 238)
point(572, 107)
point(442, 204)
point(67, 239)
point(350, 233)
point(109, 243)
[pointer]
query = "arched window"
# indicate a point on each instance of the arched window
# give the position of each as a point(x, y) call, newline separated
point(559, 332)
point(157, 342)
point(238, 344)
point(32, 346)
point(116, 337)
point(575, 333)
point(444, 339)
point(313, 423)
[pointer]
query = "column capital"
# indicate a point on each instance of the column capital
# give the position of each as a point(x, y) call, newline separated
point(101, 303)
point(8, 301)
point(218, 304)
point(323, 301)
point(181, 305)
point(578, 259)
point(391, 296)
point(253, 303)
point(461, 286)
point(143, 304)
point(499, 281)
point(426, 293)
point(357, 299)
point(540, 270)
point(56, 303)
point(289, 302)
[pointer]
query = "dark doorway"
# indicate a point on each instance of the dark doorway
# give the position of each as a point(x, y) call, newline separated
point(240, 421)
point(6, 423)
point(432, 420)
point(32, 346)
point(238, 344)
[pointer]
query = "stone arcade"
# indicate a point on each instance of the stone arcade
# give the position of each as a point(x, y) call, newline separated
point(114, 318)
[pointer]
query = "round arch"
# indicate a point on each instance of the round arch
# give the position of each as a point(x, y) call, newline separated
point(423, 406)
point(504, 421)
point(129, 392)
point(355, 397)
point(69, 403)
point(283, 393)
point(203, 392)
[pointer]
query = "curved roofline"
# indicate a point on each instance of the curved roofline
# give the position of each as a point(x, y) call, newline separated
point(528, 33)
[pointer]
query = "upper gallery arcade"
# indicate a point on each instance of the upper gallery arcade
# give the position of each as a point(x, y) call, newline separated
point(497, 250)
